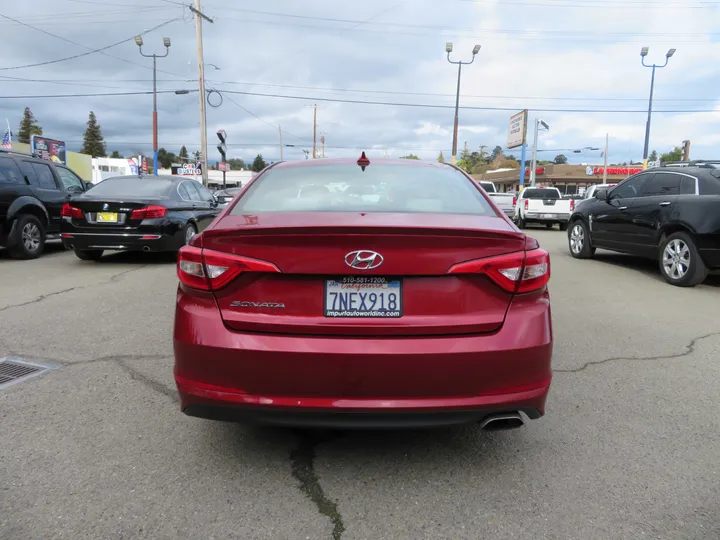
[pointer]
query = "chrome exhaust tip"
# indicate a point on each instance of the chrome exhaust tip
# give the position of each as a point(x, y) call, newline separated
point(501, 422)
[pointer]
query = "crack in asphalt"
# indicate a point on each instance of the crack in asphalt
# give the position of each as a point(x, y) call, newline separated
point(690, 348)
point(42, 297)
point(147, 381)
point(302, 459)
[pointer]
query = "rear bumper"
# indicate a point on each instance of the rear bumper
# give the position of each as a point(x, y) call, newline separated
point(540, 216)
point(363, 382)
point(122, 242)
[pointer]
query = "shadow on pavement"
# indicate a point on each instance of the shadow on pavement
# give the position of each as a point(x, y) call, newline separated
point(51, 248)
point(137, 257)
point(645, 266)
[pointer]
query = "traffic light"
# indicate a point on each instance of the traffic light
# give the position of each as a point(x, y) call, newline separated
point(686, 150)
point(222, 147)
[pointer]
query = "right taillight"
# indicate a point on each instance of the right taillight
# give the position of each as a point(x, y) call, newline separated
point(527, 204)
point(149, 212)
point(210, 270)
point(520, 272)
point(514, 202)
point(71, 212)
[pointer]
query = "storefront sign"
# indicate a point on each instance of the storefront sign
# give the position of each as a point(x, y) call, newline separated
point(49, 149)
point(187, 169)
point(624, 171)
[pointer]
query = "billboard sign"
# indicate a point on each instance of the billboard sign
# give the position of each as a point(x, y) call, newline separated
point(187, 169)
point(49, 149)
point(222, 166)
point(133, 166)
point(517, 129)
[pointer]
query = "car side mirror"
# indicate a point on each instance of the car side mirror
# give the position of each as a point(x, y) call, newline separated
point(601, 194)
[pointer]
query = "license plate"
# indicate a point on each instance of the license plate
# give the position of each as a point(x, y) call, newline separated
point(363, 296)
point(549, 216)
point(107, 217)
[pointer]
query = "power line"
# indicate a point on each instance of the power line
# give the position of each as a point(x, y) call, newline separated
point(91, 51)
point(530, 35)
point(362, 102)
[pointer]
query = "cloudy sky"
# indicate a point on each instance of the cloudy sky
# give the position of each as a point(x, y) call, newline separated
point(573, 63)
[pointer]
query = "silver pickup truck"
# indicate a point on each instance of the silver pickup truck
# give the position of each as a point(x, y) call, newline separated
point(504, 201)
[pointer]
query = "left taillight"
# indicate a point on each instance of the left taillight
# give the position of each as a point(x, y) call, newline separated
point(520, 272)
point(572, 205)
point(149, 212)
point(71, 212)
point(210, 270)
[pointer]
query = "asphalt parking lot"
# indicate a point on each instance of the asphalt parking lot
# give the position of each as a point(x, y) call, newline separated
point(97, 448)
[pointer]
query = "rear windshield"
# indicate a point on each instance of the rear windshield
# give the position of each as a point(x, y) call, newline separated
point(535, 193)
point(132, 186)
point(379, 188)
point(487, 186)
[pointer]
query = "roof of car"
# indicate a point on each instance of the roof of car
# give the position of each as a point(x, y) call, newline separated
point(353, 161)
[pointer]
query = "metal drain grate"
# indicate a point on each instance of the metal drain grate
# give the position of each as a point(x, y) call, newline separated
point(15, 370)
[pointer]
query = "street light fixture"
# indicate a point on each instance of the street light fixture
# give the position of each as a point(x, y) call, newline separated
point(460, 63)
point(139, 43)
point(643, 54)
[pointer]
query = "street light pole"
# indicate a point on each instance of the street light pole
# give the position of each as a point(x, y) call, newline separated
point(538, 122)
point(166, 42)
point(643, 54)
point(460, 63)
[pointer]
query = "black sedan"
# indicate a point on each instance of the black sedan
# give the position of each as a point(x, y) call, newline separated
point(670, 214)
point(130, 213)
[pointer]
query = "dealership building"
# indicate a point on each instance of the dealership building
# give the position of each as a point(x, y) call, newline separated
point(569, 179)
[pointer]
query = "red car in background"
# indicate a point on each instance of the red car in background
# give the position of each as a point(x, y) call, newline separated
point(307, 303)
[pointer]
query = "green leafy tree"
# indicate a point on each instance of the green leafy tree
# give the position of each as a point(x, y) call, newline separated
point(116, 155)
point(183, 155)
point(560, 159)
point(497, 151)
point(165, 158)
point(197, 156)
point(236, 164)
point(675, 154)
point(258, 163)
point(465, 161)
point(93, 142)
point(653, 155)
point(441, 158)
point(409, 156)
point(509, 164)
point(28, 127)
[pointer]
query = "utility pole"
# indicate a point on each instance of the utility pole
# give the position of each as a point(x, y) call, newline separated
point(199, 16)
point(460, 64)
point(607, 137)
point(686, 150)
point(314, 131)
point(281, 144)
point(322, 142)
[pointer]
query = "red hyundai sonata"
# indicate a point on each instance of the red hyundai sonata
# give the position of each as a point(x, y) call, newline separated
point(343, 293)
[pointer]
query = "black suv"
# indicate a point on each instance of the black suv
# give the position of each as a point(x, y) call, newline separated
point(32, 194)
point(670, 214)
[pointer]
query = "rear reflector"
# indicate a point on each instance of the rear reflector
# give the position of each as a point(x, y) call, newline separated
point(149, 212)
point(210, 270)
point(71, 212)
point(150, 237)
point(521, 272)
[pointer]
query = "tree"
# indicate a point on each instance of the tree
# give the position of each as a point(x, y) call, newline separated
point(236, 164)
point(28, 127)
point(560, 159)
point(653, 155)
point(116, 155)
point(258, 163)
point(497, 151)
point(165, 158)
point(509, 164)
point(183, 155)
point(409, 156)
point(481, 169)
point(441, 158)
point(675, 154)
point(197, 156)
point(93, 142)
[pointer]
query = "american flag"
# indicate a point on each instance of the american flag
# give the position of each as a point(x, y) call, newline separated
point(7, 139)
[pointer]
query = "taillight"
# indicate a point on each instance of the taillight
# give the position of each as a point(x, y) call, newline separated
point(514, 202)
point(210, 270)
point(71, 212)
point(527, 203)
point(520, 272)
point(572, 205)
point(149, 212)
